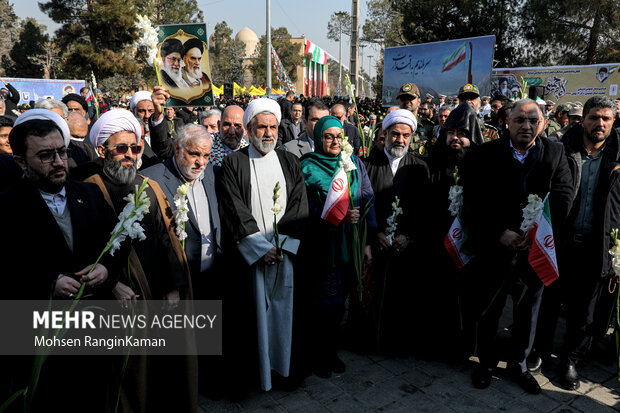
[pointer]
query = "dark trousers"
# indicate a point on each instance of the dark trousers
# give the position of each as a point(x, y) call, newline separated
point(527, 297)
point(580, 289)
point(324, 332)
point(582, 292)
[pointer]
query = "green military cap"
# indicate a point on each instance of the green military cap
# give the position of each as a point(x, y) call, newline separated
point(468, 89)
point(564, 107)
point(408, 89)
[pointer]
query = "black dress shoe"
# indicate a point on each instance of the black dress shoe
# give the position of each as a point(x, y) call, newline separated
point(526, 381)
point(569, 378)
point(534, 364)
point(481, 378)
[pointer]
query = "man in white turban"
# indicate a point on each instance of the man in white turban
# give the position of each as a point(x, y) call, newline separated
point(394, 171)
point(141, 105)
point(250, 221)
point(70, 224)
point(158, 263)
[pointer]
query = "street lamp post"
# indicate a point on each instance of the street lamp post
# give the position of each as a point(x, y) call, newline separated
point(369, 70)
point(269, 91)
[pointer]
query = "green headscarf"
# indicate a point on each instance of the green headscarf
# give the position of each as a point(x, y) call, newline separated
point(319, 169)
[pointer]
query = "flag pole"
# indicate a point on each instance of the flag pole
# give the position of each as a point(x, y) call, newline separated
point(471, 52)
point(269, 90)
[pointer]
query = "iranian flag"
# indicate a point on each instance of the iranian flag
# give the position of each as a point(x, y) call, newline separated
point(612, 69)
point(306, 79)
point(318, 54)
point(453, 241)
point(324, 85)
point(337, 201)
point(455, 58)
point(542, 254)
point(89, 97)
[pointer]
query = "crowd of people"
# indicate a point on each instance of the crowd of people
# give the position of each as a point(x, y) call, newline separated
point(320, 223)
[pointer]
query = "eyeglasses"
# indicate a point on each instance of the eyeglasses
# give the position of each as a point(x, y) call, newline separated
point(50, 156)
point(122, 149)
point(330, 138)
point(521, 121)
point(173, 59)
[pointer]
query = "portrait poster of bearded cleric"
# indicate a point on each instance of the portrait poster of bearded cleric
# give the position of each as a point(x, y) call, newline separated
point(185, 64)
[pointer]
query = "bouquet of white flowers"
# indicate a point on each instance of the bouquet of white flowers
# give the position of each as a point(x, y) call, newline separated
point(180, 213)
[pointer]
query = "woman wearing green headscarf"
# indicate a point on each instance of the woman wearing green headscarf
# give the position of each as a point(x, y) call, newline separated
point(327, 271)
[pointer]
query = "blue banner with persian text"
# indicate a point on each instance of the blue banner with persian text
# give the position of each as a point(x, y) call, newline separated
point(439, 67)
point(37, 89)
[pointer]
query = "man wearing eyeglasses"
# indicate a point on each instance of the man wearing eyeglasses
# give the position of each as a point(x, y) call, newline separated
point(57, 229)
point(586, 265)
point(157, 266)
point(498, 177)
point(171, 50)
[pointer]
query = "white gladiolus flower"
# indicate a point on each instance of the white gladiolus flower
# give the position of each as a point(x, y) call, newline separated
point(531, 212)
point(456, 199)
point(615, 252)
point(346, 152)
point(182, 208)
point(128, 224)
point(390, 230)
point(148, 39)
point(277, 208)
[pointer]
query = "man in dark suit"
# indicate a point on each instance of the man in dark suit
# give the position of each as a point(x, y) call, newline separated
point(291, 128)
point(498, 177)
point(350, 130)
point(586, 264)
point(315, 110)
point(71, 223)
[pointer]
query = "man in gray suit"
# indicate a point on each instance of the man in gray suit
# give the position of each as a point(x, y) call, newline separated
point(190, 164)
point(315, 110)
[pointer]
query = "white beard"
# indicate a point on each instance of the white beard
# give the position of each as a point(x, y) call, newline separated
point(176, 77)
point(193, 75)
point(262, 146)
point(396, 152)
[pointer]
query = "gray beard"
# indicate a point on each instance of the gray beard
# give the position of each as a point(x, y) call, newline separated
point(395, 152)
point(263, 147)
point(194, 75)
point(118, 173)
point(237, 141)
point(176, 77)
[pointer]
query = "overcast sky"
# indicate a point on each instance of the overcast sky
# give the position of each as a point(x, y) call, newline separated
point(301, 18)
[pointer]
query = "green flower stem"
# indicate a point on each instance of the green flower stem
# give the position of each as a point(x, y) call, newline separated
point(359, 123)
point(156, 66)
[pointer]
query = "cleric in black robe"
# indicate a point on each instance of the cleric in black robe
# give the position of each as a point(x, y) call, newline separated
point(395, 172)
point(258, 300)
point(158, 268)
point(448, 318)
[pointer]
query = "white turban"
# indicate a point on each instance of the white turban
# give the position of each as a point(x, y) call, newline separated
point(115, 120)
point(259, 106)
point(46, 114)
point(138, 97)
point(400, 116)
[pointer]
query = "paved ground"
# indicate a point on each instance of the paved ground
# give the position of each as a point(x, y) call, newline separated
point(376, 384)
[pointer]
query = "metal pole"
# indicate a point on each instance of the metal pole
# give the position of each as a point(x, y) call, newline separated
point(340, 63)
point(354, 67)
point(369, 75)
point(269, 91)
point(361, 66)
